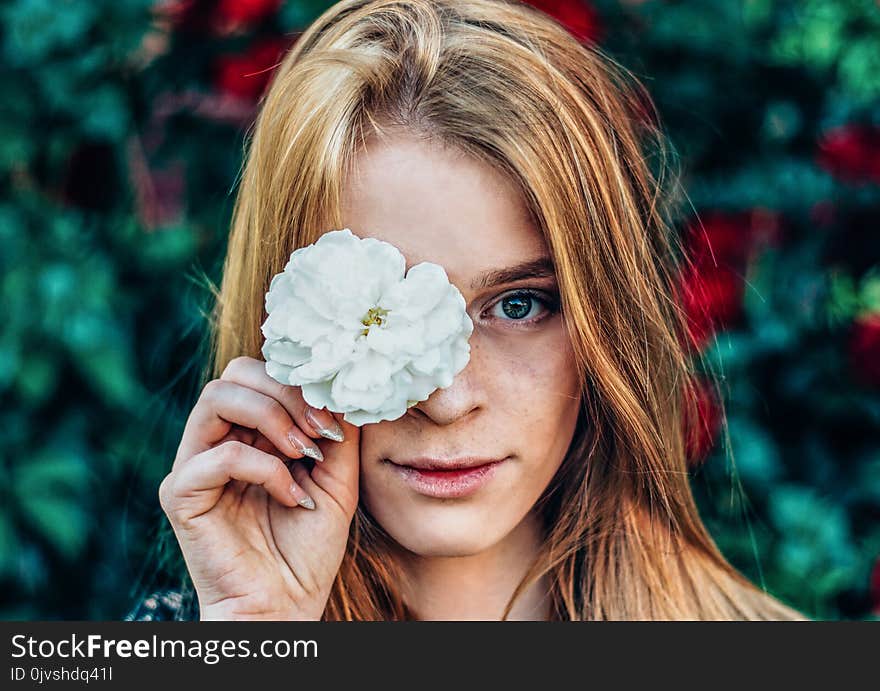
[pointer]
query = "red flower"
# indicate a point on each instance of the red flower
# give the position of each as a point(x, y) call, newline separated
point(874, 588)
point(720, 246)
point(864, 347)
point(700, 434)
point(217, 16)
point(712, 298)
point(246, 75)
point(851, 152)
point(732, 237)
point(246, 11)
point(580, 18)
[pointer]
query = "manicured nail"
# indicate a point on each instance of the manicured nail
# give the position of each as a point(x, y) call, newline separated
point(301, 497)
point(310, 449)
point(324, 424)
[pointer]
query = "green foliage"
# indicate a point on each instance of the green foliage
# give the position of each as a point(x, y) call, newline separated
point(117, 159)
point(747, 92)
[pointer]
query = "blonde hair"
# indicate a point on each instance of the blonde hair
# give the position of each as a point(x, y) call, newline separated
point(577, 132)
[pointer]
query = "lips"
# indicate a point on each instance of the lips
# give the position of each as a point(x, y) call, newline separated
point(449, 478)
point(427, 463)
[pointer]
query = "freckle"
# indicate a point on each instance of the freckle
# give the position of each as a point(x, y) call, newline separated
point(531, 372)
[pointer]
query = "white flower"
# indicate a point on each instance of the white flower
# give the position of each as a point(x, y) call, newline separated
point(359, 336)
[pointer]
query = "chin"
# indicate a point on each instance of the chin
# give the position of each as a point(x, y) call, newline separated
point(439, 534)
point(442, 546)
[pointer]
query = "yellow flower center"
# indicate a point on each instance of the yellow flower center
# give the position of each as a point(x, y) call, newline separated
point(374, 316)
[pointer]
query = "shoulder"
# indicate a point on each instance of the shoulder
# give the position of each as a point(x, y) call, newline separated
point(164, 605)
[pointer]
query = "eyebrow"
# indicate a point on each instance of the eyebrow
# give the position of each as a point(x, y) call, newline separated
point(537, 268)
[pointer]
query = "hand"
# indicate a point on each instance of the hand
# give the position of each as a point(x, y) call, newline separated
point(251, 547)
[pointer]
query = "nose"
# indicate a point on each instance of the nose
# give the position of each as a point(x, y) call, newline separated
point(464, 397)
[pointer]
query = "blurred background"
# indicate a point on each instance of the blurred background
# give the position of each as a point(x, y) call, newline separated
point(121, 131)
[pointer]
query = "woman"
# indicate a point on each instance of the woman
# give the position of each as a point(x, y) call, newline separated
point(479, 135)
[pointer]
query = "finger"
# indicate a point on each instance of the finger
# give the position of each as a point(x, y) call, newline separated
point(263, 444)
point(242, 434)
point(251, 372)
point(197, 486)
point(338, 475)
point(223, 403)
point(336, 479)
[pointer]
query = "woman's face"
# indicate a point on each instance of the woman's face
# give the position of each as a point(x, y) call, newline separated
point(517, 399)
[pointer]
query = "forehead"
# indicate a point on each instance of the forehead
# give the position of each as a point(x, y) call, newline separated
point(437, 204)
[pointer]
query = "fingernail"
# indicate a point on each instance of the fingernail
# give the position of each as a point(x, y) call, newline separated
point(310, 450)
point(324, 424)
point(301, 497)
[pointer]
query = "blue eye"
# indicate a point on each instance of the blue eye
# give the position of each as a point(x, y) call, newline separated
point(519, 305)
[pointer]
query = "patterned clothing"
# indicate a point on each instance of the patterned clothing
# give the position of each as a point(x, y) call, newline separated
point(165, 605)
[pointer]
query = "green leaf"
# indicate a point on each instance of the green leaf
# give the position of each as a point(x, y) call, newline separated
point(50, 489)
point(170, 245)
point(754, 452)
point(869, 290)
point(8, 543)
point(36, 377)
point(60, 520)
point(34, 28)
point(105, 114)
point(109, 369)
point(297, 15)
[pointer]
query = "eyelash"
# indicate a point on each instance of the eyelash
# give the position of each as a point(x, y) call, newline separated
point(550, 303)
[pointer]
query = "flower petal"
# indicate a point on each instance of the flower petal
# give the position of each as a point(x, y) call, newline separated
point(359, 335)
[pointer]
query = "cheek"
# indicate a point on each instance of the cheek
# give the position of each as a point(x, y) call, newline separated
point(535, 379)
point(376, 438)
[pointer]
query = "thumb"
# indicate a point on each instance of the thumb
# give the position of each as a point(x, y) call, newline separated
point(338, 473)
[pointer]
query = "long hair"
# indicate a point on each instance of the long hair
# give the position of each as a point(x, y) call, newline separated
point(581, 138)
